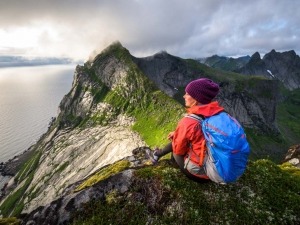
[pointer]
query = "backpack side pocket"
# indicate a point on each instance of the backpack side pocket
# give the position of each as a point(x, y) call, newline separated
point(194, 168)
point(211, 169)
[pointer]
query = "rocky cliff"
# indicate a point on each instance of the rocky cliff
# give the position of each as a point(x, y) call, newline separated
point(68, 152)
point(168, 72)
point(117, 108)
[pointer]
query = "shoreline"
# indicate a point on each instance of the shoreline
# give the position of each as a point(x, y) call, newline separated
point(11, 167)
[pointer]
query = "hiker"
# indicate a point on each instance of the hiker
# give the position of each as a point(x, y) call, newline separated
point(187, 141)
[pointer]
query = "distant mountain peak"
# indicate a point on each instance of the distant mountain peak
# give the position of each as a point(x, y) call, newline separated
point(283, 66)
point(255, 56)
point(116, 45)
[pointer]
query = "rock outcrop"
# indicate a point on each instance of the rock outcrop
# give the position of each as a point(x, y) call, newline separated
point(293, 155)
point(168, 72)
point(73, 155)
point(257, 112)
point(60, 210)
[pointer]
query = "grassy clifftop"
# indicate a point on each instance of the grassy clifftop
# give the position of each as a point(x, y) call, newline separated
point(161, 194)
point(266, 194)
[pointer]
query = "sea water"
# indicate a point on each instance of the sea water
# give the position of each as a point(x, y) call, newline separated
point(29, 98)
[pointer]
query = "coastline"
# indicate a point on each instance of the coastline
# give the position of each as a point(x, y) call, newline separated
point(10, 168)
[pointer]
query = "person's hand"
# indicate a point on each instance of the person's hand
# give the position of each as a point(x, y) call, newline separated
point(170, 135)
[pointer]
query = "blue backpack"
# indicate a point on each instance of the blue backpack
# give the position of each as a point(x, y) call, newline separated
point(227, 147)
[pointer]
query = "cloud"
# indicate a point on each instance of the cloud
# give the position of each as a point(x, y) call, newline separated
point(188, 28)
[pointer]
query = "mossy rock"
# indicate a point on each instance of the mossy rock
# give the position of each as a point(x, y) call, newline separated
point(9, 221)
point(103, 174)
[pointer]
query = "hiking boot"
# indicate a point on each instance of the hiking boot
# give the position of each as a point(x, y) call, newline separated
point(152, 156)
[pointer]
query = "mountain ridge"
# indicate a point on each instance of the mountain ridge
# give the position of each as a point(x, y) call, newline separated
point(225, 63)
point(283, 66)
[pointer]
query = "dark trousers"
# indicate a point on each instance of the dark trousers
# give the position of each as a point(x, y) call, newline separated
point(179, 160)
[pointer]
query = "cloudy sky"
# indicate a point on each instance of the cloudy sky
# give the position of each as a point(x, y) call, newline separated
point(185, 28)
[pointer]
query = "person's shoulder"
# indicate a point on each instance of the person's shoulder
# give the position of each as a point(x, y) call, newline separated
point(188, 120)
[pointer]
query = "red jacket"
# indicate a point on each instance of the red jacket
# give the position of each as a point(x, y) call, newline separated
point(188, 132)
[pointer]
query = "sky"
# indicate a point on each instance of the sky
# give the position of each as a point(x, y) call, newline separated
point(186, 28)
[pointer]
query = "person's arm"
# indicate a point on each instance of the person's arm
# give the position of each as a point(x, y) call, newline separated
point(171, 135)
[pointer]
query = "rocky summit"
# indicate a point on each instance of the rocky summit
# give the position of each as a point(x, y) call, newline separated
point(91, 166)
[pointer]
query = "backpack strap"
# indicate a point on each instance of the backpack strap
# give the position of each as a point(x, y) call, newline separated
point(203, 149)
point(203, 145)
point(195, 117)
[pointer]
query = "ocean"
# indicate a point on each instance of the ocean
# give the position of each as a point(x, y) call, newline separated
point(29, 98)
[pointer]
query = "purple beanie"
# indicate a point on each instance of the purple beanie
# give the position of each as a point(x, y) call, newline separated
point(202, 90)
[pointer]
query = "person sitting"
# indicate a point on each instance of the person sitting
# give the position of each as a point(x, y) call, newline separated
point(187, 141)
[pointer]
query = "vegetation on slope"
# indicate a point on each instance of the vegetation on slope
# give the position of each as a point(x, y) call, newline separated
point(103, 174)
point(265, 194)
point(13, 204)
point(10, 221)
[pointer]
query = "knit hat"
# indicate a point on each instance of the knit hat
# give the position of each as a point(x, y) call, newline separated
point(202, 90)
